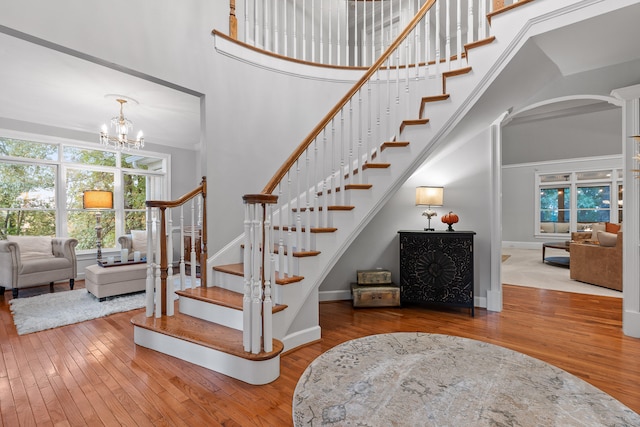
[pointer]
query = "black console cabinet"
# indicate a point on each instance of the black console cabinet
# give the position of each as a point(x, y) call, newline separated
point(436, 267)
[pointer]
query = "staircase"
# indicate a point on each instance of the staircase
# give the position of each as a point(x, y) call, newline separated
point(261, 294)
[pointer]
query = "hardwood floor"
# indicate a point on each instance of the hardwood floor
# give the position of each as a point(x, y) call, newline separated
point(92, 374)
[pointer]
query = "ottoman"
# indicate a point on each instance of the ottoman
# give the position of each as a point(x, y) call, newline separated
point(118, 280)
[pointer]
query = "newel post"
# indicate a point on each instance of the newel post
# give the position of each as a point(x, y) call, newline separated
point(259, 273)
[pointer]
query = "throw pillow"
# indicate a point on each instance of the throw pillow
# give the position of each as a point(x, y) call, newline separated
point(139, 240)
point(607, 239)
point(33, 246)
point(599, 226)
point(612, 228)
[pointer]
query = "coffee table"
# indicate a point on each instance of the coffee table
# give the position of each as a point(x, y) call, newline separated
point(561, 261)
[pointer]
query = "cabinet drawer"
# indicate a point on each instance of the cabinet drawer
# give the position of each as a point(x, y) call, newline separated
point(375, 296)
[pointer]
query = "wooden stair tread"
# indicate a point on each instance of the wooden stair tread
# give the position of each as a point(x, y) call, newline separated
point(204, 333)
point(220, 296)
point(479, 43)
point(376, 165)
point(350, 187)
point(329, 208)
point(303, 229)
point(298, 254)
point(238, 270)
point(413, 122)
point(433, 98)
point(393, 144)
point(453, 73)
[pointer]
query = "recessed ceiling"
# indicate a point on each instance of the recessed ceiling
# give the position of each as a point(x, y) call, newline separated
point(41, 85)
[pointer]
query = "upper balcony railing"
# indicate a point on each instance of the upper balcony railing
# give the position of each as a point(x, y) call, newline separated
point(353, 33)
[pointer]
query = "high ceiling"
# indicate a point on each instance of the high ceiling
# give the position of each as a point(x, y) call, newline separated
point(48, 87)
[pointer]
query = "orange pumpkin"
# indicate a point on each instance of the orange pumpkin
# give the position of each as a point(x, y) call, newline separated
point(449, 218)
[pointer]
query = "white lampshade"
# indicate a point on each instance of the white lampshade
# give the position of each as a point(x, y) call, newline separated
point(429, 196)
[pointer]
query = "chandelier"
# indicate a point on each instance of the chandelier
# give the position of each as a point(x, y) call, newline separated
point(122, 127)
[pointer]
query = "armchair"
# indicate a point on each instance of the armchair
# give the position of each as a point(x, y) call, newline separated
point(27, 261)
point(597, 263)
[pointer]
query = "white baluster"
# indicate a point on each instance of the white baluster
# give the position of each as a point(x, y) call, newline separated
point(295, 31)
point(169, 255)
point(267, 304)
point(256, 288)
point(183, 274)
point(437, 38)
point(459, 32)
point(276, 28)
point(356, 50)
point(246, 298)
point(313, 30)
point(322, 31)
point(304, 31)
point(150, 283)
point(246, 21)
point(325, 181)
point(156, 256)
point(255, 23)
point(194, 258)
point(307, 234)
point(285, 24)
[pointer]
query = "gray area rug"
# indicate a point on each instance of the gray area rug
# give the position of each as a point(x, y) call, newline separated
point(48, 311)
point(418, 379)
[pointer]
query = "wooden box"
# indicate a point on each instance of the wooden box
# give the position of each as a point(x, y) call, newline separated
point(375, 296)
point(374, 277)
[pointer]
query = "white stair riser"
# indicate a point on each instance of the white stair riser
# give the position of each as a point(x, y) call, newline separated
point(252, 372)
point(221, 315)
point(227, 281)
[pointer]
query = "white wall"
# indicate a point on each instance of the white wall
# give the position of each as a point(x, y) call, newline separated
point(463, 170)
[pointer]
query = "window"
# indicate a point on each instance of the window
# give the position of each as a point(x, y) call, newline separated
point(42, 183)
point(573, 201)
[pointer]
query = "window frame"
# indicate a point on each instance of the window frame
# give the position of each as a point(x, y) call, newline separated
point(613, 180)
point(162, 176)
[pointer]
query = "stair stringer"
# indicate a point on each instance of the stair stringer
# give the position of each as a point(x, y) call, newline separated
point(487, 63)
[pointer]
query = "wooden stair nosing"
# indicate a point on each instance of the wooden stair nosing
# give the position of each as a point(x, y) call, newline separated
point(238, 270)
point(350, 187)
point(303, 229)
point(220, 296)
point(478, 43)
point(433, 98)
point(329, 208)
point(506, 9)
point(393, 144)
point(413, 122)
point(376, 165)
point(453, 73)
point(299, 254)
point(204, 333)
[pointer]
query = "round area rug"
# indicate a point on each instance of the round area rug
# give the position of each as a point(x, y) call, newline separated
point(418, 379)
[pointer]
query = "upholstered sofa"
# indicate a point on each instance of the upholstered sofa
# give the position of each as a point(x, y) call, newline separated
point(597, 259)
point(27, 261)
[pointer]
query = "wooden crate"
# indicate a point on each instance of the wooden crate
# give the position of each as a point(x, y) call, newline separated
point(375, 296)
point(374, 277)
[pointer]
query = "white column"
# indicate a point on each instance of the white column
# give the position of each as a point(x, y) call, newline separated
point(631, 209)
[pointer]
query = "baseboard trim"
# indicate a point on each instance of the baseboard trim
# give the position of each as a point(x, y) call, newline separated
point(301, 338)
point(631, 323)
point(342, 295)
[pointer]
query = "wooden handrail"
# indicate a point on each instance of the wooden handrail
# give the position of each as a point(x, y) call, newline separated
point(288, 164)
